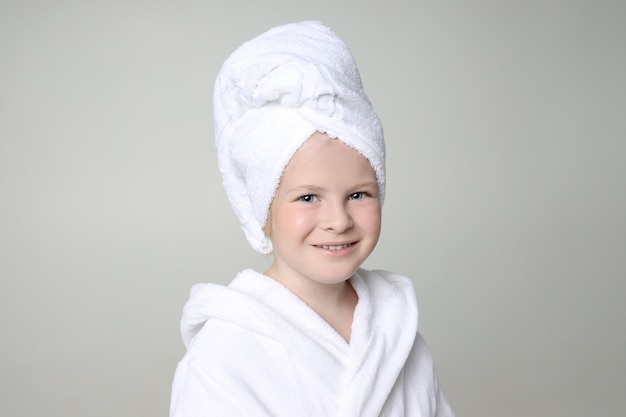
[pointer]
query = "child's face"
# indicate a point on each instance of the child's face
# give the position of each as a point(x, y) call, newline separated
point(325, 218)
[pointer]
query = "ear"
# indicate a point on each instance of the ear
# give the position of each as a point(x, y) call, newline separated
point(267, 228)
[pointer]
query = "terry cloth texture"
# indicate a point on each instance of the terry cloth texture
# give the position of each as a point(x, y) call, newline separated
point(270, 96)
point(255, 349)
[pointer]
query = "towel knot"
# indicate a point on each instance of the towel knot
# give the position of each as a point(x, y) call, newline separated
point(294, 85)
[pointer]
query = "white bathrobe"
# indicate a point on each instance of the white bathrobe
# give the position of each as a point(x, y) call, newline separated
point(255, 349)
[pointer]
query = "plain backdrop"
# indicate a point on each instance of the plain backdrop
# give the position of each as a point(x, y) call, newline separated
point(506, 136)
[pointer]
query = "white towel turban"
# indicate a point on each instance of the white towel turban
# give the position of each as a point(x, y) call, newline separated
point(270, 96)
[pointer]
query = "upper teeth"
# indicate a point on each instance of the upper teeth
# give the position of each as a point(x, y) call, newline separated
point(335, 247)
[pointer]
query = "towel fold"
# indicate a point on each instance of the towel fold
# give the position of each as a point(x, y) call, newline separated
point(270, 96)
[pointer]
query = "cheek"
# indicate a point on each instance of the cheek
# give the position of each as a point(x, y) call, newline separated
point(292, 220)
point(376, 222)
point(371, 219)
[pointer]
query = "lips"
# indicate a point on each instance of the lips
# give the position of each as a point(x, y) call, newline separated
point(335, 247)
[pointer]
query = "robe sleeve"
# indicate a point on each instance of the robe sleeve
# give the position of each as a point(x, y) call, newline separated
point(197, 394)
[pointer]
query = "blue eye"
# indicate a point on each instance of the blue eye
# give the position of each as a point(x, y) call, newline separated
point(357, 196)
point(309, 198)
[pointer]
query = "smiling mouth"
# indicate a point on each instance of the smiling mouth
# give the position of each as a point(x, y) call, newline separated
point(335, 247)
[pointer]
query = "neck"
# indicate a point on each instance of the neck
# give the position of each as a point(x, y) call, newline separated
point(335, 303)
point(336, 306)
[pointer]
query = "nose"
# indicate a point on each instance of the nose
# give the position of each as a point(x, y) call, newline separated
point(336, 218)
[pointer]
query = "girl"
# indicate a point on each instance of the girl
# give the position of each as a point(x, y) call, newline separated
point(302, 156)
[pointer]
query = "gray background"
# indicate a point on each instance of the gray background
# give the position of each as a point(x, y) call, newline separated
point(506, 133)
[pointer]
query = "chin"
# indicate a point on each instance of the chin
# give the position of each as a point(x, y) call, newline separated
point(335, 277)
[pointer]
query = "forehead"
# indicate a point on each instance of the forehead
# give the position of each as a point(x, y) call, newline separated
point(321, 157)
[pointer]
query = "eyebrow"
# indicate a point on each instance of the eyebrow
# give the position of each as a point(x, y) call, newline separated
point(367, 184)
point(317, 189)
point(307, 188)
